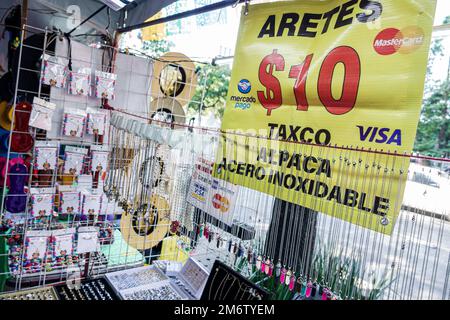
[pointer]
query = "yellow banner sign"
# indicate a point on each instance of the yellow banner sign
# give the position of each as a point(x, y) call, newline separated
point(319, 92)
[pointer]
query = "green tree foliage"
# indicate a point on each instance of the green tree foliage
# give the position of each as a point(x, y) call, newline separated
point(156, 48)
point(433, 134)
point(212, 85)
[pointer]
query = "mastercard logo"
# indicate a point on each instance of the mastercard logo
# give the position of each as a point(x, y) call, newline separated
point(392, 40)
point(221, 203)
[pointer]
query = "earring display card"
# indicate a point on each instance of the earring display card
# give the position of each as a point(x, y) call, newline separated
point(93, 289)
point(74, 121)
point(87, 240)
point(63, 242)
point(69, 202)
point(133, 278)
point(99, 160)
point(41, 114)
point(73, 163)
point(91, 204)
point(46, 155)
point(96, 121)
point(104, 84)
point(53, 71)
point(36, 246)
point(42, 201)
point(80, 82)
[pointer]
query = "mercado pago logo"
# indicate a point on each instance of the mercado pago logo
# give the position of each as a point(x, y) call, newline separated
point(243, 102)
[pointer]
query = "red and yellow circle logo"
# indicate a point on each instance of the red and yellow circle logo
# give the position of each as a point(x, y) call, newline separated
point(392, 40)
point(221, 203)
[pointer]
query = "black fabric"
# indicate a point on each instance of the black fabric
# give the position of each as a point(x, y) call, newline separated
point(6, 87)
point(12, 27)
point(303, 232)
point(31, 59)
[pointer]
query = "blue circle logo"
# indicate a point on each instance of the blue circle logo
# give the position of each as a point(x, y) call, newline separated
point(244, 86)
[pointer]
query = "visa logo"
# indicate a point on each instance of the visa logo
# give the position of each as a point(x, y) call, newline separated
point(380, 135)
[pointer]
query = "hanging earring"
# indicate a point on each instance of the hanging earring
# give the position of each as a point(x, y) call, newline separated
point(324, 294)
point(267, 270)
point(278, 269)
point(292, 282)
point(240, 252)
point(218, 242)
point(258, 263)
point(249, 255)
point(201, 230)
point(235, 249)
point(287, 278)
point(298, 285)
point(271, 269)
point(308, 289)
point(314, 290)
point(263, 264)
point(283, 275)
point(254, 260)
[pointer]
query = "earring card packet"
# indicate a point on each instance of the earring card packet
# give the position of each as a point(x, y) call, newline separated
point(99, 160)
point(104, 84)
point(42, 202)
point(74, 122)
point(54, 71)
point(87, 240)
point(90, 203)
point(36, 249)
point(80, 82)
point(63, 242)
point(74, 160)
point(96, 121)
point(41, 114)
point(69, 200)
point(46, 155)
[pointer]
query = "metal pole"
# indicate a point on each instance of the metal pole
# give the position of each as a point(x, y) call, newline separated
point(186, 14)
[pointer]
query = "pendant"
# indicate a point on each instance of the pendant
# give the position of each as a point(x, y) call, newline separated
point(287, 278)
point(254, 260)
point(236, 247)
point(325, 294)
point(229, 245)
point(271, 269)
point(201, 231)
point(258, 263)
point(298, 285)
point(267, 266)
point(314, 290)
point(308, 289)
point(233, 246)
point(210, 237)
point(240, 251)
point(249, 255)
point(303, 292)
point(292, 282)
point(283, 275)
point(218, 242)
point(263, 265)
point(278, 269)
point(206, 232)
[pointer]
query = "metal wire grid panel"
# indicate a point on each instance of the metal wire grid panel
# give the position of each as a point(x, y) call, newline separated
point(150, 181)
point(137, 159)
